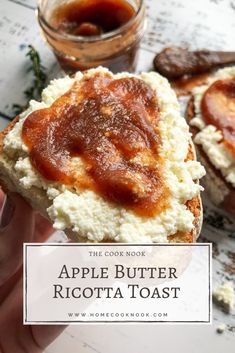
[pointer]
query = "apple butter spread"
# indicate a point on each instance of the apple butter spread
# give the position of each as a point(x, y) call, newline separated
point(218, 109)
point(90, 33)
point(112, 126)
point(91, 17)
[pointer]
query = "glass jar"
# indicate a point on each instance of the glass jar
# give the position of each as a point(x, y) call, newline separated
point(116, 50)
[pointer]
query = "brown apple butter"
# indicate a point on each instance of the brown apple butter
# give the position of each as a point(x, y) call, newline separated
point(111, 124)
point(90, 33)
point(91, 17)
point(218, 108)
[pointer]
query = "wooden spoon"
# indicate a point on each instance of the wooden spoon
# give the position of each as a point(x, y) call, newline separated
point(176, 62)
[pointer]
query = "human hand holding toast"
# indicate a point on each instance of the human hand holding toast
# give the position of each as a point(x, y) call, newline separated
point(19, 224)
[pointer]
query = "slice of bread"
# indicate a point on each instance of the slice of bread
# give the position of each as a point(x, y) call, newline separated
point(85, 214)
point(221, 193)
point(39, 200)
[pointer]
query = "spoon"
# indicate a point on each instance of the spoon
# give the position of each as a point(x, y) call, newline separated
point(176, 62)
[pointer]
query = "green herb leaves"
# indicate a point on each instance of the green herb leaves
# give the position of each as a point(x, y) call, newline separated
point(39, 81)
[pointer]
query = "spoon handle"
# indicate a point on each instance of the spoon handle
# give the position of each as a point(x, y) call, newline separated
point(226, 57)
point(177, 62)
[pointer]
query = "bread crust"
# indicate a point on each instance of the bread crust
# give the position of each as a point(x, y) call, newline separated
point(40, 202)
point(195, 206)
point(221, 193)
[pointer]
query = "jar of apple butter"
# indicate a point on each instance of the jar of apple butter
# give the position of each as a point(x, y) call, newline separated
point(89, 33)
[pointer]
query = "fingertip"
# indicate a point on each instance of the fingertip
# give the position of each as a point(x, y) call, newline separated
point(1, 198)
point(7, 211)
point(14, 207)
point(16, 228)
point(18, 200)
point(46, 334)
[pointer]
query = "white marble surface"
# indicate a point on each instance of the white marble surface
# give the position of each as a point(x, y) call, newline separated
point(197, 24)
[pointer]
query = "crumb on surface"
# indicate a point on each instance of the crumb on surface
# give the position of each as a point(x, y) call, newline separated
point(223, 296)
point(221, 328)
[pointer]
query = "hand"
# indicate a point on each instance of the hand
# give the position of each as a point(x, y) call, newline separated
point(19, 224)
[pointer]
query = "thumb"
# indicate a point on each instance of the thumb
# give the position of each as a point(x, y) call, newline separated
point(16, 227)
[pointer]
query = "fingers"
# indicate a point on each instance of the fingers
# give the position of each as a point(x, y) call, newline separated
point(16, 227)
point(9, 285)
point(18, 224)
point(45, 335)
point(43, 229)
point(14, 335)
point(7, 211)
point(1, 198)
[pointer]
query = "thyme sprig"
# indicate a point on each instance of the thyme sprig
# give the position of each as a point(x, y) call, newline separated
point(39, 81)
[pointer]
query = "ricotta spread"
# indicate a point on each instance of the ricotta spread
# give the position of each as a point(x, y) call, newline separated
point(209, 137)
point(221, 328)
point(86, 212)
point(224, 296)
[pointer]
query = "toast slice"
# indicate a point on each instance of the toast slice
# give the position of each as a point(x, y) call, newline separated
point(39, 201)
point(83, 213)
point(221, 193)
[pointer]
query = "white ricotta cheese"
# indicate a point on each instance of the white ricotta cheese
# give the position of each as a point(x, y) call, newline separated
point(94, 218)
point(209, 137)
point(86, 212)
point(224, 296)
point(221, 328)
